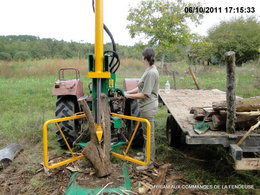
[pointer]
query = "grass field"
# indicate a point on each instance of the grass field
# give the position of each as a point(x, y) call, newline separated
point(26, 102)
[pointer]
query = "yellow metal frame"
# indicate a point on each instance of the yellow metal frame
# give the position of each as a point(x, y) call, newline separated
point(78, 157)
point(103, 75)
point(148, 140)
point(45, 142)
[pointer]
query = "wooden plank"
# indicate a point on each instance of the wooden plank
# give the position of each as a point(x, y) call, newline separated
point(247, 164)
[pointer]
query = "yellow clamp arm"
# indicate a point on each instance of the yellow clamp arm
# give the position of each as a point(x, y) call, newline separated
point(147, 144)
point(45, 142)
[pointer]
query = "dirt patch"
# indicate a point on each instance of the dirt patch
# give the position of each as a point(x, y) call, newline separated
point(25, 175)
point(90, 181)
point(11, 182)
point(23, 178)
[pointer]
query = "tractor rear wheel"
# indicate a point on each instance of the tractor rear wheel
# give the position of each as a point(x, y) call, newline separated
point(66, 106)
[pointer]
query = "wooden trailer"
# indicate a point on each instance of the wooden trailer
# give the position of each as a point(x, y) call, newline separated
point(180, 126)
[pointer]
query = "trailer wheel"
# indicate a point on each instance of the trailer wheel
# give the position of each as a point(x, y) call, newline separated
point(173, 132)
point(66, 106)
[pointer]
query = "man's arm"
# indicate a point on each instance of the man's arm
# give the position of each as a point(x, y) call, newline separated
point(136, 96)
point(135, 90)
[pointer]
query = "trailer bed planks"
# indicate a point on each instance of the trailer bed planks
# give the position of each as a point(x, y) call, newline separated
point(179, 102)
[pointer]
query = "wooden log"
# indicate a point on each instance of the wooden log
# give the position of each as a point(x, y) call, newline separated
point(83, 103)
point(222, 112)
point(242, 121)
point(207, 119)
point(98, 153)
point(212, 127)
point(218, 121)
point(198, 114)
point(208, 114)
point(192, 109)
point(209, 111)
point(242, 105)
point(160, 180)
point(230, 89)
point(252, 113)
point(194, 78)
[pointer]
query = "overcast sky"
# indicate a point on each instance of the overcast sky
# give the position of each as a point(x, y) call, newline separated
point(74, 19)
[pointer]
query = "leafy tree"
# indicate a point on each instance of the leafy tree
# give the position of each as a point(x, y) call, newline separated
point(201, 51)
point(239, 35)
point(163, 23)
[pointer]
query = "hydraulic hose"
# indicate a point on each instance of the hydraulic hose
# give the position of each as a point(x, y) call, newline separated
point(115, 61)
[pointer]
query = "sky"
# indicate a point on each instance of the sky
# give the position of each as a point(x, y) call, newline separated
point(73, 20)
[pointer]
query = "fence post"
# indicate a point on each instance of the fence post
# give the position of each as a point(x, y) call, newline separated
point(230, 91)
point(174, 79)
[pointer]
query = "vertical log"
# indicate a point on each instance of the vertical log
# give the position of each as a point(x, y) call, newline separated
point(98, 153)
point(230, 92)
point(194, 78)
point(174, 79)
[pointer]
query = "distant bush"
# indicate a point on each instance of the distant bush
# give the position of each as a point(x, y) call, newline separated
point(21, 56)
point(241, 35)
point(5, 56)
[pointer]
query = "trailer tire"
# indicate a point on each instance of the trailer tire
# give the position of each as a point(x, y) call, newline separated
point(173, 132)
point(66, 106)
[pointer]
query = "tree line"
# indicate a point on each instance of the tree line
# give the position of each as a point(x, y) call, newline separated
point(24, 47)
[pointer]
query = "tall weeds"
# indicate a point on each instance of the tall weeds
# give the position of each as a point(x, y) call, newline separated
point(39, 68)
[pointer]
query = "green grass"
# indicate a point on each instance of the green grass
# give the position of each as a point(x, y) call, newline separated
point(26, 103)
